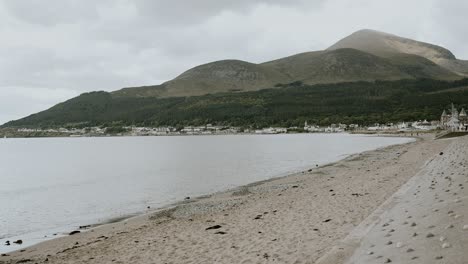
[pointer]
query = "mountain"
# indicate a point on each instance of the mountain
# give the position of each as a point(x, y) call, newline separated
point(341, 65)
point(385, 45)
point(215, 77)
point(364, 56)
point(330, 66)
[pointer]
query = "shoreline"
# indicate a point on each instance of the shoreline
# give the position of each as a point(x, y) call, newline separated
point(414, 133)
point(194, 207)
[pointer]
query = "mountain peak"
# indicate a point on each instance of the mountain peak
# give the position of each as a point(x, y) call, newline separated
point(370, 31)
point(385, 45)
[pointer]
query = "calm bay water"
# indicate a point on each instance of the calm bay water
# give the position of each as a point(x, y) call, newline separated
point(54, 185)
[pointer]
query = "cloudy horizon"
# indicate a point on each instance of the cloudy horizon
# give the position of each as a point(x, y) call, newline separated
point(55, 51)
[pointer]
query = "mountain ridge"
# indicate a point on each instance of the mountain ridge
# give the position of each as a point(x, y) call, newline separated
point(365, 55)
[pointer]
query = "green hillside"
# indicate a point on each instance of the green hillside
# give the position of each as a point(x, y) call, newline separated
point(357, 102)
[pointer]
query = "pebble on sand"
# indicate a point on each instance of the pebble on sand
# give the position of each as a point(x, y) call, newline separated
point(446, 245)
point(465, 227)
point(213, 227)
point(430, 235)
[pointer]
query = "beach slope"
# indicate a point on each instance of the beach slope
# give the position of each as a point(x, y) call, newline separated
point(424, 222)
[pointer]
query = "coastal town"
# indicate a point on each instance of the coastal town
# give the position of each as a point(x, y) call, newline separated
point(450, 120)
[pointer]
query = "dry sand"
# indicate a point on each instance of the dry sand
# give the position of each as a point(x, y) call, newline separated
point(331, 214)
point(426, 221)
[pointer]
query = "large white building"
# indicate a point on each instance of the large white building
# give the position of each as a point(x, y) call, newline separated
point(455, 121)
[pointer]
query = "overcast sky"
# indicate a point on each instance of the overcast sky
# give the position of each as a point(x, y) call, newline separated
point(53, 50)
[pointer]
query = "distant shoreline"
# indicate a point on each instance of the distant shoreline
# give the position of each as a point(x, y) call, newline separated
point(360, 132)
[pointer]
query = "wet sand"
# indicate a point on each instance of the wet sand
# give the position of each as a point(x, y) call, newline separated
point(331, 214)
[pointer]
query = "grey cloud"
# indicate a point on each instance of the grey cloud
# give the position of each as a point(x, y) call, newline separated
point(183, 12)
point(52, 12)
point(449, 26)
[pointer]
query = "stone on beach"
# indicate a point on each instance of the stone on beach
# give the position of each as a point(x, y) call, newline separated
point(213, 227)
point(446, 245)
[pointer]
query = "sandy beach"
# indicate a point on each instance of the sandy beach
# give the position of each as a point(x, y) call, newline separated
point(366, 208)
